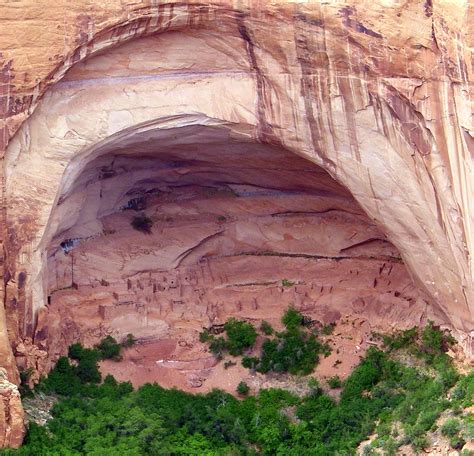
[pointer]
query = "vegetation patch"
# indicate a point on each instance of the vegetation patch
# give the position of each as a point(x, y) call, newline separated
point(142, 223)
point(295, 350)
point(109, 348)
point(243, 389)
point(240, 336)
point(266, 328)
point(77, 371)
point(335, 382)
point(395, 403)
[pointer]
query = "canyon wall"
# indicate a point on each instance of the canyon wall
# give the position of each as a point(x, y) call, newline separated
point(375, 97)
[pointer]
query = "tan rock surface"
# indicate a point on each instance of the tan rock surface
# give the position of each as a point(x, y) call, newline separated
point(376, 93)
point(12, 426)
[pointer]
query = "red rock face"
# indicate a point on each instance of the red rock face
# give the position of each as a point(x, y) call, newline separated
point(188, 97)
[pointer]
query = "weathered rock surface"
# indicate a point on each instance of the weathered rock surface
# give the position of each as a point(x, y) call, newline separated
point(103, 102)
point(12, 426)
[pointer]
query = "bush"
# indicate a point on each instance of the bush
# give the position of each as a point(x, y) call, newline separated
point(129, 341)
point(451, 427)
point(76, 351)
point(294, 351)
point(62, 379)
point(218, 347)
point(292, 318)
point(419, 442)
point(109, 348)
point(240, 336)
point(314, 388)
point(432, 338)
point(142, 223)
point(457, 442)
point(435, 343)
point(250, 362)
point(243, 389)
point(328, 329)
point(287, 283)
point(67, 379)
point(266, 328)
point(335, 382)
point(463, 394)
point(468, 431)
point(87, 370)
point(400, 339)
point(205, 336)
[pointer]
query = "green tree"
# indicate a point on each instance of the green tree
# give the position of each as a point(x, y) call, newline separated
point(109, 348)
point(240, 336)
point(243, 389)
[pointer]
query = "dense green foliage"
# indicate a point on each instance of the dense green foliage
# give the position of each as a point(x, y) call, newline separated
point(109, 348)
point(292, 318)
point(72, 378)
point(87, 359)
point(295, 350)
point(398, 403)
point(451, 427)
point(243, 389)
point(240, 337)
point(428, 344)
point(463, 394)
point(335, 382)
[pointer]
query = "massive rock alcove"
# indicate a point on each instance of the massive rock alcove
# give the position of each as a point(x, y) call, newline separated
point(356, 113)
point(240, 229)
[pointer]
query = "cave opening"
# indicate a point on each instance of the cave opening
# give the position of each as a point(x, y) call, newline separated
point(237, 229)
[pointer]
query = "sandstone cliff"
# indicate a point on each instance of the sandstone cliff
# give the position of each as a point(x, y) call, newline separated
point(375, 95)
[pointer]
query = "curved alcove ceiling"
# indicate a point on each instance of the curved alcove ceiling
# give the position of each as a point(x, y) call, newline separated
point(122, 161)
point(364, 146)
